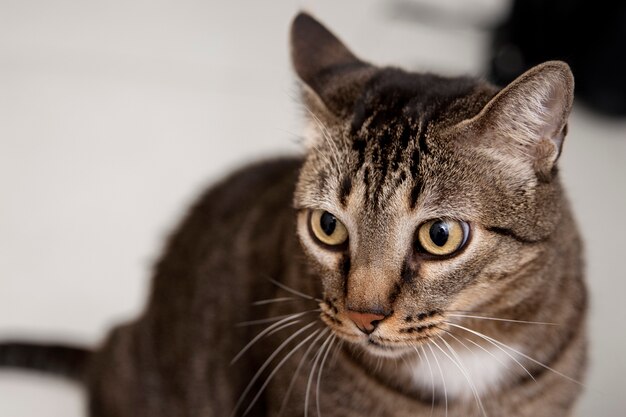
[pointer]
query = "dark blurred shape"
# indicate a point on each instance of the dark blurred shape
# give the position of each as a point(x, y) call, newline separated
point(429, 13)
point(589, 35)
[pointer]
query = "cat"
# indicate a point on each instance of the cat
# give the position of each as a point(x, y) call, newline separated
point(420, 259)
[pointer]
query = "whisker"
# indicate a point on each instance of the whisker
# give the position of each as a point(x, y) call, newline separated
point(432, 378)
point(463, 370)
point(271, 319)
point(505, 320)
point(320, 153)
point(529, 358)
point(326, 135)
point(273, 300)
point(277, 368)
point(295, 137)
point(266, 364)
point(482, 336)
point(319, 375)
point(443, 379)
point(291, 290)
point(506, 365)
point(320, 124)
point(278, 326)
point(406, 361)
point(311, 373)
point(338, 346)
point(302, 139)
point(297, 371)
point(455, 338)
point(266, 333)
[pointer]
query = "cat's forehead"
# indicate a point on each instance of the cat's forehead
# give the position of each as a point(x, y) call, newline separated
point(395, 97)
point(397, 111)
point(390, 142)
point(387, 149)
point(379, 183)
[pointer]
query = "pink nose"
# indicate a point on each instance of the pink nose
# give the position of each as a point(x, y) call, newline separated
point(366, 322)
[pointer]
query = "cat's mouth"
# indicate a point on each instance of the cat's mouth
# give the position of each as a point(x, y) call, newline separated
point(387, 340)
point(384, 347)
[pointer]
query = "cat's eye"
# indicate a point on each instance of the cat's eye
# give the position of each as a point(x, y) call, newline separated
point(442, 237)
point(327, 229)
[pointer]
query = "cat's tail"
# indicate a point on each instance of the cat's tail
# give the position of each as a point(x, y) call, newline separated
point(68, 361)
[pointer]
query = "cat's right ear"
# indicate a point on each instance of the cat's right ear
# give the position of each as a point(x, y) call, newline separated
point(332, 75)
point(527, 120)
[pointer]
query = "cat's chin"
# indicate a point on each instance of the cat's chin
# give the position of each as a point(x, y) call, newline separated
point(386, 351)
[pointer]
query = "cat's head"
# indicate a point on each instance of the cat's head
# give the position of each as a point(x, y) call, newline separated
point(421, 195)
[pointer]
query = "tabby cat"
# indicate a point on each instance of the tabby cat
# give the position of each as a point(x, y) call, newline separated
point(420, 260)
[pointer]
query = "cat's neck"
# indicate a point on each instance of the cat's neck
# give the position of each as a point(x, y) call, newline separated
point(444, 370)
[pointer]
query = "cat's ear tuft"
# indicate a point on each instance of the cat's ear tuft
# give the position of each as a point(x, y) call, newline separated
point(325, 64)
point(529, 116)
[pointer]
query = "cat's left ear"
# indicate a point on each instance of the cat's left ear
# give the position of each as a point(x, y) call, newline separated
point(528, 118)
point(332, 75)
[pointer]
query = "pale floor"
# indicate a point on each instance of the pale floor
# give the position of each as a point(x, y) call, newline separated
point(114, 115)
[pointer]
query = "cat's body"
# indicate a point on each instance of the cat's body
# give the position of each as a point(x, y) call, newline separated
point(401, 330)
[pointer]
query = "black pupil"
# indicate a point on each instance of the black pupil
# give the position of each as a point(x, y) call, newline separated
point(439, 233)
point(328, 222)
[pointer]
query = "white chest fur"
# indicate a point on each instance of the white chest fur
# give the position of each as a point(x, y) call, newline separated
point(486, 369)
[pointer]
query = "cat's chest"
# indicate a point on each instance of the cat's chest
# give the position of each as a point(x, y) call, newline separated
point(468, 372)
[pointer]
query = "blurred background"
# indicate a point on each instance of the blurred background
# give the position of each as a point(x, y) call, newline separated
point(115, 114)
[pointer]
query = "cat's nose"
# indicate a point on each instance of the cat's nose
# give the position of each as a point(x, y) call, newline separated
point(366, 322)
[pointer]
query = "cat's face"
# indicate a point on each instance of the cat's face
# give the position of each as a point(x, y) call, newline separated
point(421, 196)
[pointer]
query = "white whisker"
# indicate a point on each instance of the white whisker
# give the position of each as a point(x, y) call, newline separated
point(443, 379)
point(505, 365)
point(463, 370)
point(497, 359)
point(276, 369)
point(432, 378)
point(319, 375)
point(327, 136)
point(338, 346)
point(406, 361)
point(271, 319)
point(497, 342)
point(269, 330)
point(273, 300)
point(291, 290)
point(378, 362)
point(449, 333)
point(297, 371)
point(321, 153)
point(311, 373)
point(482, 336)
point(265, 365)
point(504, 320)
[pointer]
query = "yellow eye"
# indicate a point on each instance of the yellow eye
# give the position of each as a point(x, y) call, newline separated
point(327, 229)
point(442, 237)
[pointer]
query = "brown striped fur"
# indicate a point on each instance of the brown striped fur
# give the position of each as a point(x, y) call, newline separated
point(387, 150)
